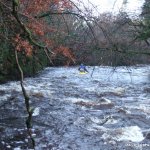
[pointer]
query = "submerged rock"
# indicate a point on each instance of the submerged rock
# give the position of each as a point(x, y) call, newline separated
point(96, 105)
point(2, 92)
point(147, 90)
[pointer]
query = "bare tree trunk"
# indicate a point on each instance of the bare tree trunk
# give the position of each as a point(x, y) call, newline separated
point(27, 101)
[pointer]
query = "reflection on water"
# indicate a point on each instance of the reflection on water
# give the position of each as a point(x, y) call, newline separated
point(109, 110)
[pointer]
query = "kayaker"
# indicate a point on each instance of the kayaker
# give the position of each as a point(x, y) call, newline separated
point(82, 68)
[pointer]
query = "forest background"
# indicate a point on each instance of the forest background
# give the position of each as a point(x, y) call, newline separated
point(36, 34)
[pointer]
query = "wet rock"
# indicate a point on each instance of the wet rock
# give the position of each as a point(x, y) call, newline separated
point(123, 110)
point(110, 93)
point(2, 92)
point(37, 94)
point(147, 135)
point(63, 77)
point(95, 105)
point(147, 90)
point(2, 129)
point(12, 97)
point(119, 92)
point(103, 106)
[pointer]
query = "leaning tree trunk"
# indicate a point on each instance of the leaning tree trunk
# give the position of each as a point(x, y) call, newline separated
point(27, 101)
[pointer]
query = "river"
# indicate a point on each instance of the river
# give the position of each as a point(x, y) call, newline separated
point(109, 110)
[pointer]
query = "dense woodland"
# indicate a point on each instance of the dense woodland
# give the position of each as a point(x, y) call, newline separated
point(36, 33)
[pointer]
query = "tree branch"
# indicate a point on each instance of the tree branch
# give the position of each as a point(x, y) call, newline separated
point(26, 97)
point(27, 31)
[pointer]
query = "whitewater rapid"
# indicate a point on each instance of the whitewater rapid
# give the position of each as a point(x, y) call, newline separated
point(108, 110)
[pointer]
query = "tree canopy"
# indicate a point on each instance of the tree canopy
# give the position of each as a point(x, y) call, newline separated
point(57, 32)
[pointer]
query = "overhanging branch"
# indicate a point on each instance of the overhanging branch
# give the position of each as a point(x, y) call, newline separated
point(27, 31)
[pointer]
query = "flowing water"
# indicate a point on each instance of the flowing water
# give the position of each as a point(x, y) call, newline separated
point(108, 111)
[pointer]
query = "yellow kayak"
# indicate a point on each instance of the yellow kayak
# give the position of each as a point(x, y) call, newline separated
point(83, 72)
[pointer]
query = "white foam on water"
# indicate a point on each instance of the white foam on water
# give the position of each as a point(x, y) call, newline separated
point(19, 142)
point(11, 86)
point(112, 121)
point(8, 146)
point(145, 108)
point(7, 88)
point(132, 133)
point(75, 100)
point(4, 97)
point(105, 101)
point(135, 106)
point(100, 121)
point(36, 111)
point(96, 120)
point(81, 121)
point(126, 111)
point(90, 124)
point(42, 91)
point(90, 89)
point(17, 148)
point(31, 87)
point(119, 90)
point(95, 127)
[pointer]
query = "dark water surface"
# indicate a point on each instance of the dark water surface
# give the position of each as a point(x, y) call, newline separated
point(108, 111)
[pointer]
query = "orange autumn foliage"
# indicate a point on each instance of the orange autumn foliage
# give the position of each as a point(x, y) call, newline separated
point(23, 45)
point(35, 6)
point(65, 51)
point(39, 27)
point(36, 28)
